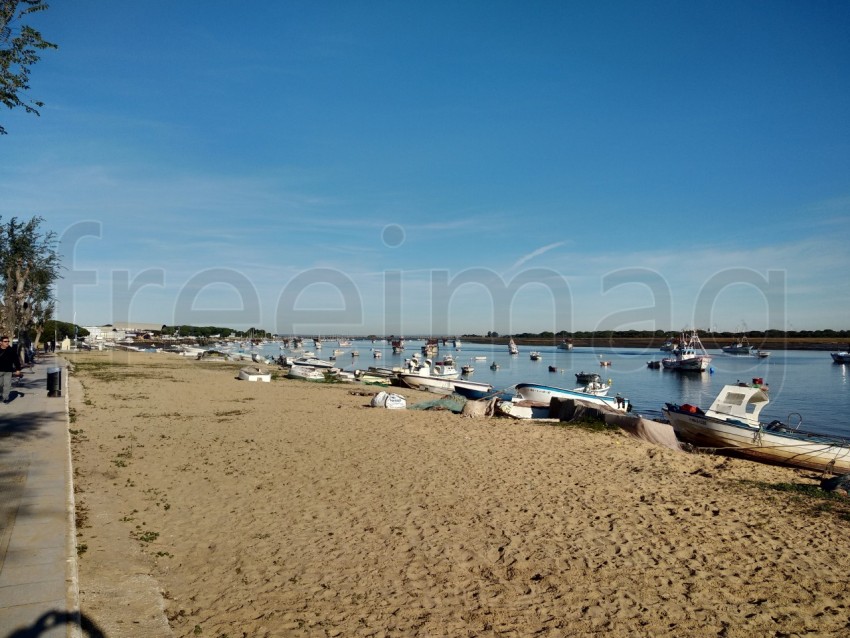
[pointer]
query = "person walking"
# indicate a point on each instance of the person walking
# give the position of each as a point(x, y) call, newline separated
point(10, 364)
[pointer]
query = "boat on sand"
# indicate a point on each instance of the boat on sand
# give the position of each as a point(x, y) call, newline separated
point(732, 425)
point(254, 373)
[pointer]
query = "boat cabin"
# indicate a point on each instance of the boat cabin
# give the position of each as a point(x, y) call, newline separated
point(739, 403)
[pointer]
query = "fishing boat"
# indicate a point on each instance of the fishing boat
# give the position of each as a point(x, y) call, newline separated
point(566, 344)
point(467, 369)
point(535, 356)
point(254, 373)
point(690, 356)
point(398, 346)
point(741, 346)
point(840, 357)
point(431, 347)
point(584, 378)
point(494, 366)
point(669, 345)
point(732, 425)
point(512, 349)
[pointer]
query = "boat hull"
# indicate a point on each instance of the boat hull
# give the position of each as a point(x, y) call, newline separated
point(544, 394)
point(696, 364)
point(795, 449)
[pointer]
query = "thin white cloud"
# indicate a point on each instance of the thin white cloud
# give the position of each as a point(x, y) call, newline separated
point(536, 253)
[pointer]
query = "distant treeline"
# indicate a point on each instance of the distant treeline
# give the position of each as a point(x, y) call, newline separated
point(212, 331)
point(662, 334)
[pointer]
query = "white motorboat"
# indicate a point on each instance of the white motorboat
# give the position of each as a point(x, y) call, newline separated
point(840, 357)
point(254, 373)
point(592, 393)
point(467, 369)
point(313, 362)
point(566, 344)
point(535, 356)
point(307, 373)
point(690, 356)
point(732, 425)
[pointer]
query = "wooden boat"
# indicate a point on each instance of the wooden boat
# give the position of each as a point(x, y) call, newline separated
point(690, 356)
point(732, 425)
point(253, 373)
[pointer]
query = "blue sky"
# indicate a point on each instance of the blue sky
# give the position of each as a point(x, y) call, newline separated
point(442, 167)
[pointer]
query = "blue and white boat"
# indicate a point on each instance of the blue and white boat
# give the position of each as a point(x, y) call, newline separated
point(543, 394)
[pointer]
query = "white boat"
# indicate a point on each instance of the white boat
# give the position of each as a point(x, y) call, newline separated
point(456, 343)
point(398, 346)
point(732, 425)
point(343, 343)
point(565, 345)
point(840, 357)
point(535, 356)
point(741, 346)
point(761, 354)
point(253, 373)
point(343, 376)
point(313, 362)
point(512, 349)
point(543, 394)
point(377, 354)
point(467, 369)
point(690, 356)
point(480, 358)
point(307, 373)
point(437, 385)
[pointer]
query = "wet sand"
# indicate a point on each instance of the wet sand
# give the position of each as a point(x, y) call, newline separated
point(294, 509)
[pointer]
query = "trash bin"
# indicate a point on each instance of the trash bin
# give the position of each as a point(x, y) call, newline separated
point(54, 382)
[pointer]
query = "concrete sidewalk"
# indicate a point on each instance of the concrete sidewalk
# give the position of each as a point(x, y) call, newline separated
point(38, 558)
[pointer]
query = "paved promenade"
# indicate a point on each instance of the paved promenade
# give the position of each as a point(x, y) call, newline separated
point(38, 568)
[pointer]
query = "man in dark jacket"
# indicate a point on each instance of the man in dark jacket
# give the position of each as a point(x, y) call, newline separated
point(10, 364)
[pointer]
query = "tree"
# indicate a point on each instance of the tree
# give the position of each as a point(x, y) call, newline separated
point(19, 50)
point(29, 266)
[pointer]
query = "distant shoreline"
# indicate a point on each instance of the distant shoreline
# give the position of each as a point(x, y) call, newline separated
point(780, 343)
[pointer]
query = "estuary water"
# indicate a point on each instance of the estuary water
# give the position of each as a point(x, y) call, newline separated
point(804, 382)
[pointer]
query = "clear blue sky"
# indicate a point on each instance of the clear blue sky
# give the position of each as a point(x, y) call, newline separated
point(322, 166)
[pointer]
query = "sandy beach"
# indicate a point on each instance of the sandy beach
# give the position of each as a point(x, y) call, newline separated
point(216, 507)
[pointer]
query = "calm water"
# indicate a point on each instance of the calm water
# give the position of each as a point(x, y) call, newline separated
point(805, 382)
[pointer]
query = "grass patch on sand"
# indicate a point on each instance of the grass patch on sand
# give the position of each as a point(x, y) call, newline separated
point(810, 497)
